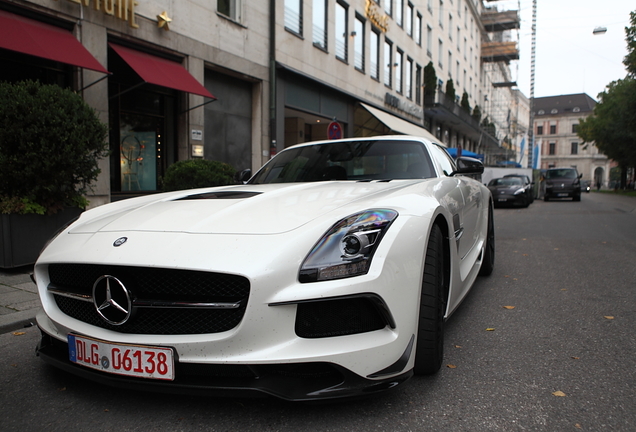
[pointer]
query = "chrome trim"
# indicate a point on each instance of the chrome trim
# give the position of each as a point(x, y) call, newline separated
point(151, 303)
point(184, 305)
point(76, 296)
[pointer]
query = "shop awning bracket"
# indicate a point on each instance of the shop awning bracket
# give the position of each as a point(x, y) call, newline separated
point(200, 105)
point(94, 82)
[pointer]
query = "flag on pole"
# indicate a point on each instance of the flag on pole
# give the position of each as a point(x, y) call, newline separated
point(522, 150)
point(536, 155)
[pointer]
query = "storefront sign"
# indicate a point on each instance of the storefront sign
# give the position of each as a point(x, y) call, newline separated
point(121, 9)
point(197, 135)
point(401, 105)
point(377, 18)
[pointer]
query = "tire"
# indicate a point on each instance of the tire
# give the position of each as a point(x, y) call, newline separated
point(488, 260)
point(576, 198)
point(429, 349)
point(546, 198)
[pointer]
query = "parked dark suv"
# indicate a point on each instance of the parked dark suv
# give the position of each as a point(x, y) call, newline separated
point(562, 183)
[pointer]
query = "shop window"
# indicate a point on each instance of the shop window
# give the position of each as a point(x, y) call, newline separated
point(142, 131)
point(320, 24)
point(20, 67)
point(229, 8)
point(294, 16)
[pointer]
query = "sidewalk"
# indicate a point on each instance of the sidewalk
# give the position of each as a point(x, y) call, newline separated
point(19, 300)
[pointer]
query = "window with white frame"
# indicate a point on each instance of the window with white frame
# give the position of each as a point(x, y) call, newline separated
point(441, 13)
point(440, 57)
point(429, 41)
point(418, 29)
point(399, 12)
point(229, 8)
point(294, 16)
point(342, 39)
point(408, 20)
point(320, 23)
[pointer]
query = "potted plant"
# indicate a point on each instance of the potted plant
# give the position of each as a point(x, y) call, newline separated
point(50, 144)
point(197, 173)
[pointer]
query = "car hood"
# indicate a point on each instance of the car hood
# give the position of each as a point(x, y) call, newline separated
point(505, 188)
point(244, 209)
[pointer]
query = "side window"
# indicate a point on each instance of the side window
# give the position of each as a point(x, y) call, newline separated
point(443, 159)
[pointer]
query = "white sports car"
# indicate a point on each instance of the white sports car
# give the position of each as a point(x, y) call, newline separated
point(328, 274)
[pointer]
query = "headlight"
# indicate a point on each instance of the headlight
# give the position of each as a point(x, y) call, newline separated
point(519, 191)
point(548, 184)
point(347, 248)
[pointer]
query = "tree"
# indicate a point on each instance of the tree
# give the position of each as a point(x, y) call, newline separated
point(476, 113)
point(430, 79)
point(612, 126)
point(630, 58)
point(450, 90)
point(465, 103)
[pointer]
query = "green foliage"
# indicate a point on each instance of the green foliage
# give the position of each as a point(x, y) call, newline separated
point(630, 58)
point(450, 90)
point(50, 144)
point(430, 79)
point(476, 113)
point(612, 127)
point(197, 173)
point(489, 127)
point(465, 103)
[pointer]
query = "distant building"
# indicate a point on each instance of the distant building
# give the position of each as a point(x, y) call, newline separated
point(556, 119)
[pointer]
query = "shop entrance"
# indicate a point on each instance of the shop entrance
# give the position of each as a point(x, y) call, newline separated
point(142, 132)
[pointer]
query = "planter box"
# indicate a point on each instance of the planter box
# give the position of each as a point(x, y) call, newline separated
point(22, 237)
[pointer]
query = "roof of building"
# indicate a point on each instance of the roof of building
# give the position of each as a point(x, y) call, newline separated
point(564, 104)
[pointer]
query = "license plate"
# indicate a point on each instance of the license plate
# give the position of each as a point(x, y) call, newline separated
point(122, 359)
point(503, 199)
point(563, 195)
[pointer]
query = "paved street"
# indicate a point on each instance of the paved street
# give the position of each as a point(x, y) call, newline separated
point(547, 343)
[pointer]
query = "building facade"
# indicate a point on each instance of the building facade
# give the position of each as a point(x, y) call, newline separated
point(556, 119)
point(237, 81)
point(172, 79)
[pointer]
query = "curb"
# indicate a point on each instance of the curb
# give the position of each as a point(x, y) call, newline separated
point(17, 320)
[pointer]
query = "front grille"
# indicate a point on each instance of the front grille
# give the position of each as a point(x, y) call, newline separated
point(155, 284)
point(338, 317)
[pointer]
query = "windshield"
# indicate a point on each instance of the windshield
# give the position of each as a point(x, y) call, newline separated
point(507, 181)
point(348, 160)
point(560, 173)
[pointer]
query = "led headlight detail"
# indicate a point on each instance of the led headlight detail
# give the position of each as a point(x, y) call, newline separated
point(346, 249)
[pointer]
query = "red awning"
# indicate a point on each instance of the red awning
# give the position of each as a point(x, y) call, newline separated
point(159, 71)
point(43, 40)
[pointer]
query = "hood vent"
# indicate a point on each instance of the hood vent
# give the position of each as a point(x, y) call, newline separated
point(220, 195)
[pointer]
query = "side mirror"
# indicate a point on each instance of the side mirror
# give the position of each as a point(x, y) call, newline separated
point(244, 176)
point(468, 165)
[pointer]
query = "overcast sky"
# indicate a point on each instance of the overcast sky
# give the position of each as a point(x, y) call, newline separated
point(569, 57)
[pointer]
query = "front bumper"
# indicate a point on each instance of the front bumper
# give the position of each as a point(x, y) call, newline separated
point(292, 381)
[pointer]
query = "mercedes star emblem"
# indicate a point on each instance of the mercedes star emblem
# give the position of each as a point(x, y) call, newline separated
point(112, 300)
point(120, 241)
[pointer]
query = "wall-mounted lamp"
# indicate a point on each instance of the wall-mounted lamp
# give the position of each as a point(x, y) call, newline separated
point(354, 34)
